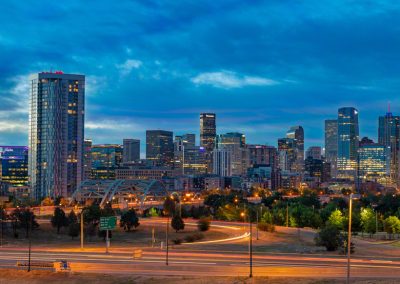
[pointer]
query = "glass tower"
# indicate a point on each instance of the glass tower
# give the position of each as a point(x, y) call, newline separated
point(208, 132)
point(389, 136)
point(297, 134)
point(160, 147)
point(348, 139)
point(56, 131)
point(331, 144)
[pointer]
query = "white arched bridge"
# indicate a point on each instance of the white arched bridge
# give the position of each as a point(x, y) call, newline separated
point(120, 190)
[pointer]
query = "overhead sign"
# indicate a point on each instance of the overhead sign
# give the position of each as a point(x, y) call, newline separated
point(108, 223)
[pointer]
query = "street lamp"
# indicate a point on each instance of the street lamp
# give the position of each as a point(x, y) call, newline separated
point(349, 237)
point(83, 209)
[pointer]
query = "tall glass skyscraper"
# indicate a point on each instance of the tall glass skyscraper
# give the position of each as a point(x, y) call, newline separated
point(56, 133)
point(160, 147)
point(208, 132)
point(131, 150)
point(348, 139)
point(14, 165)
point(235, 143)
point(389, 136)
point(297, 134)
point(331, 144)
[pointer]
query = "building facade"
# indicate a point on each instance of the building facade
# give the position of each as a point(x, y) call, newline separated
point(235, 144)
point(348, 141)
point(56, 133)
point(297, 134)
point(374, 163)
point(389, 136)
point(160, 147)
point(131, 150)
point(331, 144)
point(208, 133)
point(14, 165)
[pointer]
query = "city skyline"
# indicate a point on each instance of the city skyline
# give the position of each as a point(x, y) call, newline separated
point(254, 78)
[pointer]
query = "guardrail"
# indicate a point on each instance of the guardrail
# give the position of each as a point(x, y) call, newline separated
point(56, 266)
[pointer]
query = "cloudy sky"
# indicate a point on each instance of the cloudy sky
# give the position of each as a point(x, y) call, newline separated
point(261, 67)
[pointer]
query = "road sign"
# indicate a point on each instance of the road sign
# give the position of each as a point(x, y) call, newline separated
point(108, 223)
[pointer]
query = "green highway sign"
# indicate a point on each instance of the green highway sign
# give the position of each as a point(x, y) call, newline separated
point(108, 223)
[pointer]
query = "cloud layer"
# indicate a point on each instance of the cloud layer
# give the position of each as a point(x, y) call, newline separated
point(262, 66)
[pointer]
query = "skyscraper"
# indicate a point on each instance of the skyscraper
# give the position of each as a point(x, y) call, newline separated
point(331, 144)
point(14, 165)
point(160, 147)
point(56, 131)
point(297, 133)
point(235, 143)
point(389, 136)
point(314, 152)
point(106, 158)
point(287, 154)
point(87, 159)
point(131, 150)
point(348, 139)
point(208, 132)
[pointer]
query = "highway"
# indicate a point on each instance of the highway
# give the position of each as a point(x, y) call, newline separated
point(211, 263)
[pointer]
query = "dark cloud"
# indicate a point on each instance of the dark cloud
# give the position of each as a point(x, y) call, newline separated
point(322, 55)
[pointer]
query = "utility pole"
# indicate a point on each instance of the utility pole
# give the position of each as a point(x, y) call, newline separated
point(257, 224)
point(82, 228)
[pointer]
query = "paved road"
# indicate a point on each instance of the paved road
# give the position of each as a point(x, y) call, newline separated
point(207, 263)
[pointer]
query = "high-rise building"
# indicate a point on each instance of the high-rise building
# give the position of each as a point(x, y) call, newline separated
point(331, 144)
point(235, 143)
point(14, 165)
point(287, 154)
point(374, 162)
point(261, 157)
point(297, 133)
point(348, 141)
point(389, 136)
point(222, 162)
point(314, 152)
point(189, 158)
point(106, 158)
point(160, 147)
point(87, 159)
point(208, 133)
point(131, 152)
point(56, 133)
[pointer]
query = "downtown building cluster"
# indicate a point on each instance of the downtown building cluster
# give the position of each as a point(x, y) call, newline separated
point(59, 158)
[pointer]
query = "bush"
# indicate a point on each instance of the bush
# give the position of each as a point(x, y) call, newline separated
point(177, 241)
point(203, 224)
point(329, 237)
point(194, 237)
point(177, 223)
point(266, 227)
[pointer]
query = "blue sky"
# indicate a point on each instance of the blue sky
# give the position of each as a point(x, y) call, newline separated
point(262, 66)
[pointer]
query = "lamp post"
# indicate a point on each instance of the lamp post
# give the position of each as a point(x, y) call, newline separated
point(29, 223)
point(166, 239)
point(287, 214)
point(349, 238)
point(251, 247)
point(83, 209)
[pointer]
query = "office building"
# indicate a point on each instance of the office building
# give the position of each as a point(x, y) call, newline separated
point(160, 147)
point(222, 160)
point(348, 141)
point(131, 151)
point(235, 144)
point(297, 134)
point(389, 136)
point(331, 144)
point(56, 133)
point(314, 152)
point(87, 159)
point(208, 133)
point(374, 162)
point(14, 165)
point(287, 150)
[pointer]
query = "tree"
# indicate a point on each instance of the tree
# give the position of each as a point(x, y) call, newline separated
point(59, 219)
point(177, 223)
point(169, 206)
point(391, 225)
point(72, 218)
point(73, 230)
point(336, 219)
point(47, 202)
point(203, 224)
point(26, 219)
point(267, 217)
point(153, 212)
point(129, 219)
point(329, 237)
point(368, 221)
